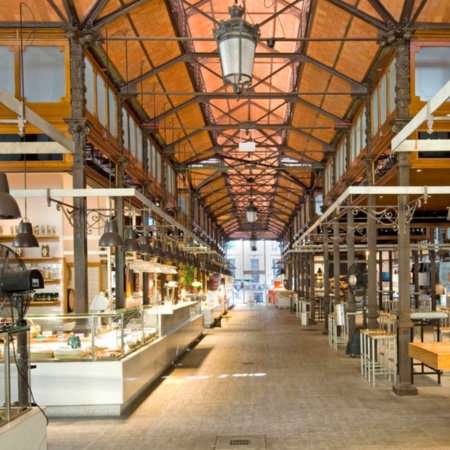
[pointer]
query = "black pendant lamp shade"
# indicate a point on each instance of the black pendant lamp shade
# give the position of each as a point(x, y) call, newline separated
point(110, 237)
point(25, 237)
point(168, 252)
point(145, 246)
point(130, 243)
point(9, 209)
point(158, 249)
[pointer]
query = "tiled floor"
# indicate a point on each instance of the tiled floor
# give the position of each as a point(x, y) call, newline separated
point(264, 373)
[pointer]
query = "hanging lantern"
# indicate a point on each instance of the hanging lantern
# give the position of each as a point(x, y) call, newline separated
point(251, 212)
point(237, 41)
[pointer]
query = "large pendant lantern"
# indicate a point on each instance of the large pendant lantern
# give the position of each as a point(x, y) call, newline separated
point(237, 41)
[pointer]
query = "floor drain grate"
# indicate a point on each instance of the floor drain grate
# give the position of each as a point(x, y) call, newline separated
point(240, 441)
point(247, 442)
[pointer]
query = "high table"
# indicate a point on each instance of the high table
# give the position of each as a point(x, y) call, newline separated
point(434, 355)
point(423, 318)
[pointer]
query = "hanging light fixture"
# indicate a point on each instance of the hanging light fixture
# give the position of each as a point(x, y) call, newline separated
point(251, 212)
point(9, 209)
point(253, 240)
point(237, 41)
point(168, 252)
point(25, 236)
point(130, 243)
point(145, 246)
point(110, 237)
point(158, 248)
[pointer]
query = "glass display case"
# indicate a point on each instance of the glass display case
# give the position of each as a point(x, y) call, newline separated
point(91, 337)
point(14, 373)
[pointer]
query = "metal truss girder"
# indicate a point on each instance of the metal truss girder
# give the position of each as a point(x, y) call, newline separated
point(361, 15)
point(293, 57)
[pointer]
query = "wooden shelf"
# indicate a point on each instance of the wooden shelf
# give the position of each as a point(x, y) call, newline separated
point(43, 237)
point(41, 258)
point(51, 281)
point(44, 303)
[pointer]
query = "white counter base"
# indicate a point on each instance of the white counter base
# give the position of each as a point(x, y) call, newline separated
point(209, 314)
point(26, 432)
point(108, 388)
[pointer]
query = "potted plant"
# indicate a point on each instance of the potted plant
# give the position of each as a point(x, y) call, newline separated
point(187, 277)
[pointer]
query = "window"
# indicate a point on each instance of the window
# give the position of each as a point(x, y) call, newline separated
point(90, 90)
point(374, 112)
point(383, 99)
point(434, 135)
point(392, 82)
point(139, 144)
point(254, 266)
point(112, 112)
point(44, 74)
point(101, 100)
point(432, 70)
point(7, 70)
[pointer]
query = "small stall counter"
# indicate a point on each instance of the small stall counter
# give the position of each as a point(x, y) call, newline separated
point(280, 297)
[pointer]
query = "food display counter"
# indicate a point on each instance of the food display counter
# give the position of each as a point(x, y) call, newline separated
point(212, 309)
point(280, 297)
point(99, 364)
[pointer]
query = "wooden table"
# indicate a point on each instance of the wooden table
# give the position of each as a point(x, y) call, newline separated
point(434, 355)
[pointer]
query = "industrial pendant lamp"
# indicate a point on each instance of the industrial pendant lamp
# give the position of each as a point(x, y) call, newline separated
point(145, 246)
point(130, 243)
point(237, 41)
point(253, 240)
point(25, 236)
point(251, 212)
point(110, 237)
point(9, 209)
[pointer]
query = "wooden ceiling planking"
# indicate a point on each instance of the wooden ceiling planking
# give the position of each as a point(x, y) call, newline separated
point(212, 75)
point(329, 21)
point(110, 7)
point(82, 7)
point(200, 142)
point(298, 154)
point(176, 79)
point(435, 11)
point(32, 10)
point(366, 7)
point(355, 60)
point(299, 141)
point(338, 104)
point(304, 116)
point(313, 79)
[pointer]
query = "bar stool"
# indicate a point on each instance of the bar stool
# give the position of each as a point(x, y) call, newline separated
point(378, 354)
point(364, 348)
point(337, 330)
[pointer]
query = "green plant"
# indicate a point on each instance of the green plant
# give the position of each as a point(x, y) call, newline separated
point(187, 276)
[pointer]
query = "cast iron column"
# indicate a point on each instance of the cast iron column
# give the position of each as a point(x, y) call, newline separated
point(372, 304)
point(78, 128)
point(336, 261)
point(351, 306)
point(145, 215)
point(313, 289)
point(326, 275)
point(404, 384)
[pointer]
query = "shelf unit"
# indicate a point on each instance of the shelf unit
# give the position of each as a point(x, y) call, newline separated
point(56, 282)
